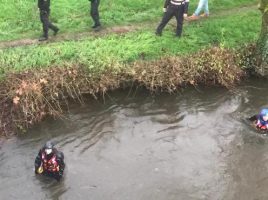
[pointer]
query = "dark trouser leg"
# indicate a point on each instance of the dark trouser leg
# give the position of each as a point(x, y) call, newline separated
point(179, 18)
point(45, 22)
point(167, 16)
point(94, 12)
point(44, 17)
point(186, 6)
point(52, 27)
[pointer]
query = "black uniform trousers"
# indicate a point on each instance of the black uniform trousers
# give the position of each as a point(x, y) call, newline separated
point(94, 11)
point(172, 10)
point(44, 17)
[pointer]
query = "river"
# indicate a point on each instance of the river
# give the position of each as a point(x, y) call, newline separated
point(131, 145)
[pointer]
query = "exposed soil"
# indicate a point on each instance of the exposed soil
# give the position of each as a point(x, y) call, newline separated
point(73, 36)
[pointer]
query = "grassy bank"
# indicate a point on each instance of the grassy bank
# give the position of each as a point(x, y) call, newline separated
point(113, 50)
point(20, 18)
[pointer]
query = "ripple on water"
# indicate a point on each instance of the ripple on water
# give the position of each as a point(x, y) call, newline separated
point(192, 145)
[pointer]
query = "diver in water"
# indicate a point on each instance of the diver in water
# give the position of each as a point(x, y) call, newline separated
point(261, 120)
point(50, 162)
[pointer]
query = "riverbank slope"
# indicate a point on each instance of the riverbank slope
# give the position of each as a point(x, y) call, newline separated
point(38, 79)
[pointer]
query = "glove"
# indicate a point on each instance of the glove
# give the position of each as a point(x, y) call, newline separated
point(164, 9)
point(40, 170)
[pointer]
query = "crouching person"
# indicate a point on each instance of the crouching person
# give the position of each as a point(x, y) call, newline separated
point(50, 162)
point(262, 120)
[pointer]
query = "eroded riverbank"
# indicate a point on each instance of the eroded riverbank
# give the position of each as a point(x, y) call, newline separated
point(30, 96)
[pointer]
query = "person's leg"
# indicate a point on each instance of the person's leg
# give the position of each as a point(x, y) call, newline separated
point(206, 10)
point(52, 27)
point(200, 6)
point(167, 16)
point(179, 18)
point(94, 12)
point(44, 20)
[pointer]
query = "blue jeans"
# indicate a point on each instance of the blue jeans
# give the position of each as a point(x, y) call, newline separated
point(202, 5)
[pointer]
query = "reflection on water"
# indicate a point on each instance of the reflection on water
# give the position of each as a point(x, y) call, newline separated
point(192, 145)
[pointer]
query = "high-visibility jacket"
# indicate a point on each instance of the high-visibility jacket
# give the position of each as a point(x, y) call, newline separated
point(50, 165)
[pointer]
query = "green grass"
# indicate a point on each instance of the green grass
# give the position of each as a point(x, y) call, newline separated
point(230, 31)
point(20, 18)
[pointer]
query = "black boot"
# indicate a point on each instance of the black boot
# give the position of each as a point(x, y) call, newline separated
point(56, 32)
point(96, 26)
point(158, 34)
point(43, 38)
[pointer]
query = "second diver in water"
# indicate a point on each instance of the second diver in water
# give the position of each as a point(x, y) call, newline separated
point(261, 120)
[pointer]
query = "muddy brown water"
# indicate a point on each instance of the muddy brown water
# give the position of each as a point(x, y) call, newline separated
point(192, 145)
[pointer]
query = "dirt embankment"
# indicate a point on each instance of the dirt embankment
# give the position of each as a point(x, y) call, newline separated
point(27, 98)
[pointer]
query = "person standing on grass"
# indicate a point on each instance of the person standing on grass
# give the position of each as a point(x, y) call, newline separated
point(172, 8)
point(44, 8)
point(94, 12)
point(202, 5)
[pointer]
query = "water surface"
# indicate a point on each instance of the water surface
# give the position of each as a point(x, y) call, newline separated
point(193, 145)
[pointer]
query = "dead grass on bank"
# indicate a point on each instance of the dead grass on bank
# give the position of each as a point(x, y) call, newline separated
point(214, 66)
point(27, 98)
